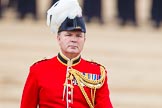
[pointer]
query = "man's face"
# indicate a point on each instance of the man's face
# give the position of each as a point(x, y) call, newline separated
point(71, 42)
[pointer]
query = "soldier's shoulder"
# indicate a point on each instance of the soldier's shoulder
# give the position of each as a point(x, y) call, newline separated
point(41, 62)
point(94, 63)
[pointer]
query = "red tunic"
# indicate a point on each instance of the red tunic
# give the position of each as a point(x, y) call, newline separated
point(44, 86)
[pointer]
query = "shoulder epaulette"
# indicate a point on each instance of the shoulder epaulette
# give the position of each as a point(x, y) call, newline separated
point(44, 59)
point(93, 62)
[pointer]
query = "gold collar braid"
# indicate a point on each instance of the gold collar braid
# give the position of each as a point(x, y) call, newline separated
point(93, 84)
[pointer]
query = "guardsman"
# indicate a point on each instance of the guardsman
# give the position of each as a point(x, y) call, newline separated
point(93, 9)
point(27, 6)
point(66, 80)
point(127, 11)
point(156, 12)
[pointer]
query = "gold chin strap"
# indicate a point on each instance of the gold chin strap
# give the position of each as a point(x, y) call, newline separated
point(93, 84)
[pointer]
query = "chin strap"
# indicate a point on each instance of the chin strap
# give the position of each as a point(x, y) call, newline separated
point(81, 79)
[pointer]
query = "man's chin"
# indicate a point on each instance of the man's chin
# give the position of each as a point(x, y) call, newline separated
point(73, 52)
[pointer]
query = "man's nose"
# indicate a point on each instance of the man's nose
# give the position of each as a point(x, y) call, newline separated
point(74, 38)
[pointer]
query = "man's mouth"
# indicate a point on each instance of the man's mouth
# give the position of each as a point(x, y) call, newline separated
point(72, 46)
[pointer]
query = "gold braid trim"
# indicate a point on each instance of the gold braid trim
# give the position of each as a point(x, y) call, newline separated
point(93, 84)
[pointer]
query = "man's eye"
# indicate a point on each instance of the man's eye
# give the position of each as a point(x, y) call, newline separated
point(68, 35)
point(79, 35)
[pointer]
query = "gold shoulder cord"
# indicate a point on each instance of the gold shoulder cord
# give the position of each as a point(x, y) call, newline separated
point(93, 84)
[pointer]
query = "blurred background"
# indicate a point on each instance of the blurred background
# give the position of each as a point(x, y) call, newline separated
point(123, 35)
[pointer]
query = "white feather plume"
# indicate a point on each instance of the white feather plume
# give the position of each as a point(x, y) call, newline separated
point(60, 11)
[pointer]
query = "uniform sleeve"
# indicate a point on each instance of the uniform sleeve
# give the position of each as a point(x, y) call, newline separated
point(102, 96)
point(30, 92)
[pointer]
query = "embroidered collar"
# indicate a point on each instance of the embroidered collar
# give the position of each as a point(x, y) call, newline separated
point(66, 61)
